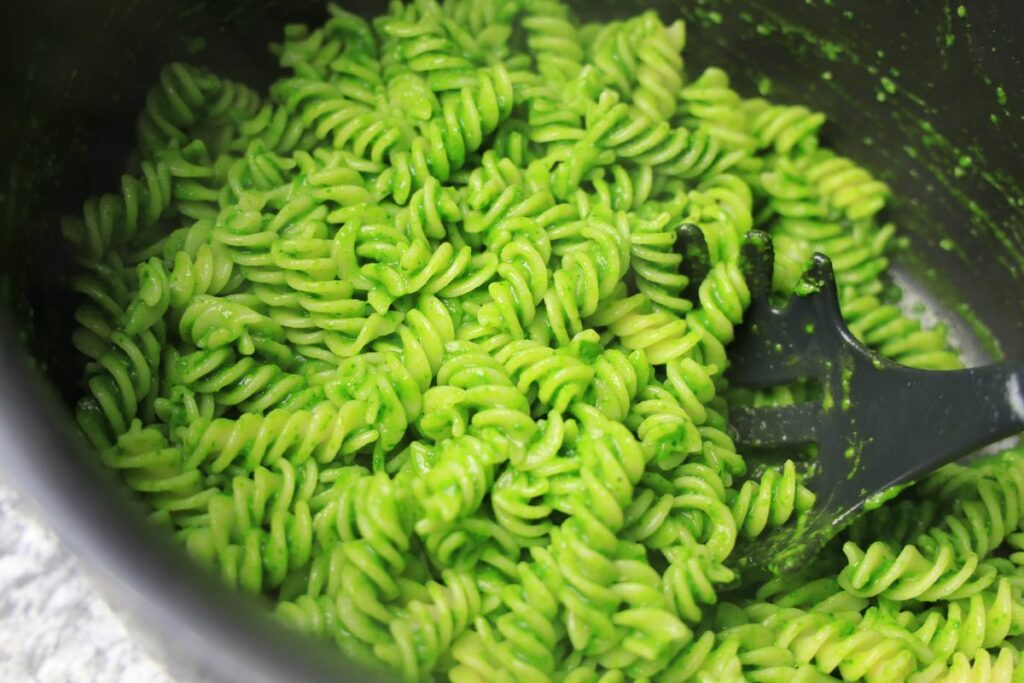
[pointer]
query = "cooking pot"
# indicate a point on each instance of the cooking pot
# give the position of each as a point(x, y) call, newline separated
point(927, 95)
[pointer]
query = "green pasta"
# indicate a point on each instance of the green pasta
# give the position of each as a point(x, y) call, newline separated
point(406, 346)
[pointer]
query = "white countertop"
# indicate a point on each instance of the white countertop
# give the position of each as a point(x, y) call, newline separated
point(54, 626)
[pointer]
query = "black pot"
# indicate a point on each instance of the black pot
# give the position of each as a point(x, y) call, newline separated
point(924, 95)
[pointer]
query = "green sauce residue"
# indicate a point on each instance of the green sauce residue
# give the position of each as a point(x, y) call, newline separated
point(845, 378)
point(854, 453)
point(938, 161)
point(980, 331)
point(963, 163)
point(884, 496)
point(709, 16)
point(807, 286)
point(949, 165)
point(195, 45)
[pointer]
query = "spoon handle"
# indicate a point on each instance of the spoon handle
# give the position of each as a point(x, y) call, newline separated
point(904, 423)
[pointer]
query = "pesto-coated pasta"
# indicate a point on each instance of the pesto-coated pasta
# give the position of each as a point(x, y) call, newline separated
point(406, 345)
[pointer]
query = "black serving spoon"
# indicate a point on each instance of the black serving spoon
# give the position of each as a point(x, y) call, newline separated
point(877, 425)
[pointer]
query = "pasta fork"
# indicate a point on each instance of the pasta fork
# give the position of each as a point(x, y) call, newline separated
point(877, 425)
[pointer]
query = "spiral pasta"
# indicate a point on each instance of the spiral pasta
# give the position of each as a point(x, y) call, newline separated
point(839, 642)
point(415, 345)
point(522, 640)
point(256, 531)
point(176, 105)
point(712, 105)
point(984, 620)
point(641, 57)
point(324, 433)
point(158, 471)
point(770, 501)
point(123, 375)
point(424, 630)
point(113, 220)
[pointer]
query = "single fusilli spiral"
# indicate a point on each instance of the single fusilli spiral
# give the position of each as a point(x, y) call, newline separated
point(933, 572)
point(175, 105)
point(585, 545)
point(323, 432)
point(771, 501)
point(552, 40)
point(445, 143)
point(837, 643)
point(123, 375)
point(783, 128)
point(848, 188)
point(113, 220)
point(257, 531)
point(724, 297)
point(689, 582)
point(641, 59)
point(423, 630)
point(712, 105)
point(556, 376)
point(655, 264)
point(522, 642)
point(618, 131)
point(969, 626)
point(157, 470)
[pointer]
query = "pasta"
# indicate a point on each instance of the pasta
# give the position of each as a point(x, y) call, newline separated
point(407, 345)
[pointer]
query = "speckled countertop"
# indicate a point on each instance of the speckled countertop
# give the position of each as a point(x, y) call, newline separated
point(54, 626)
